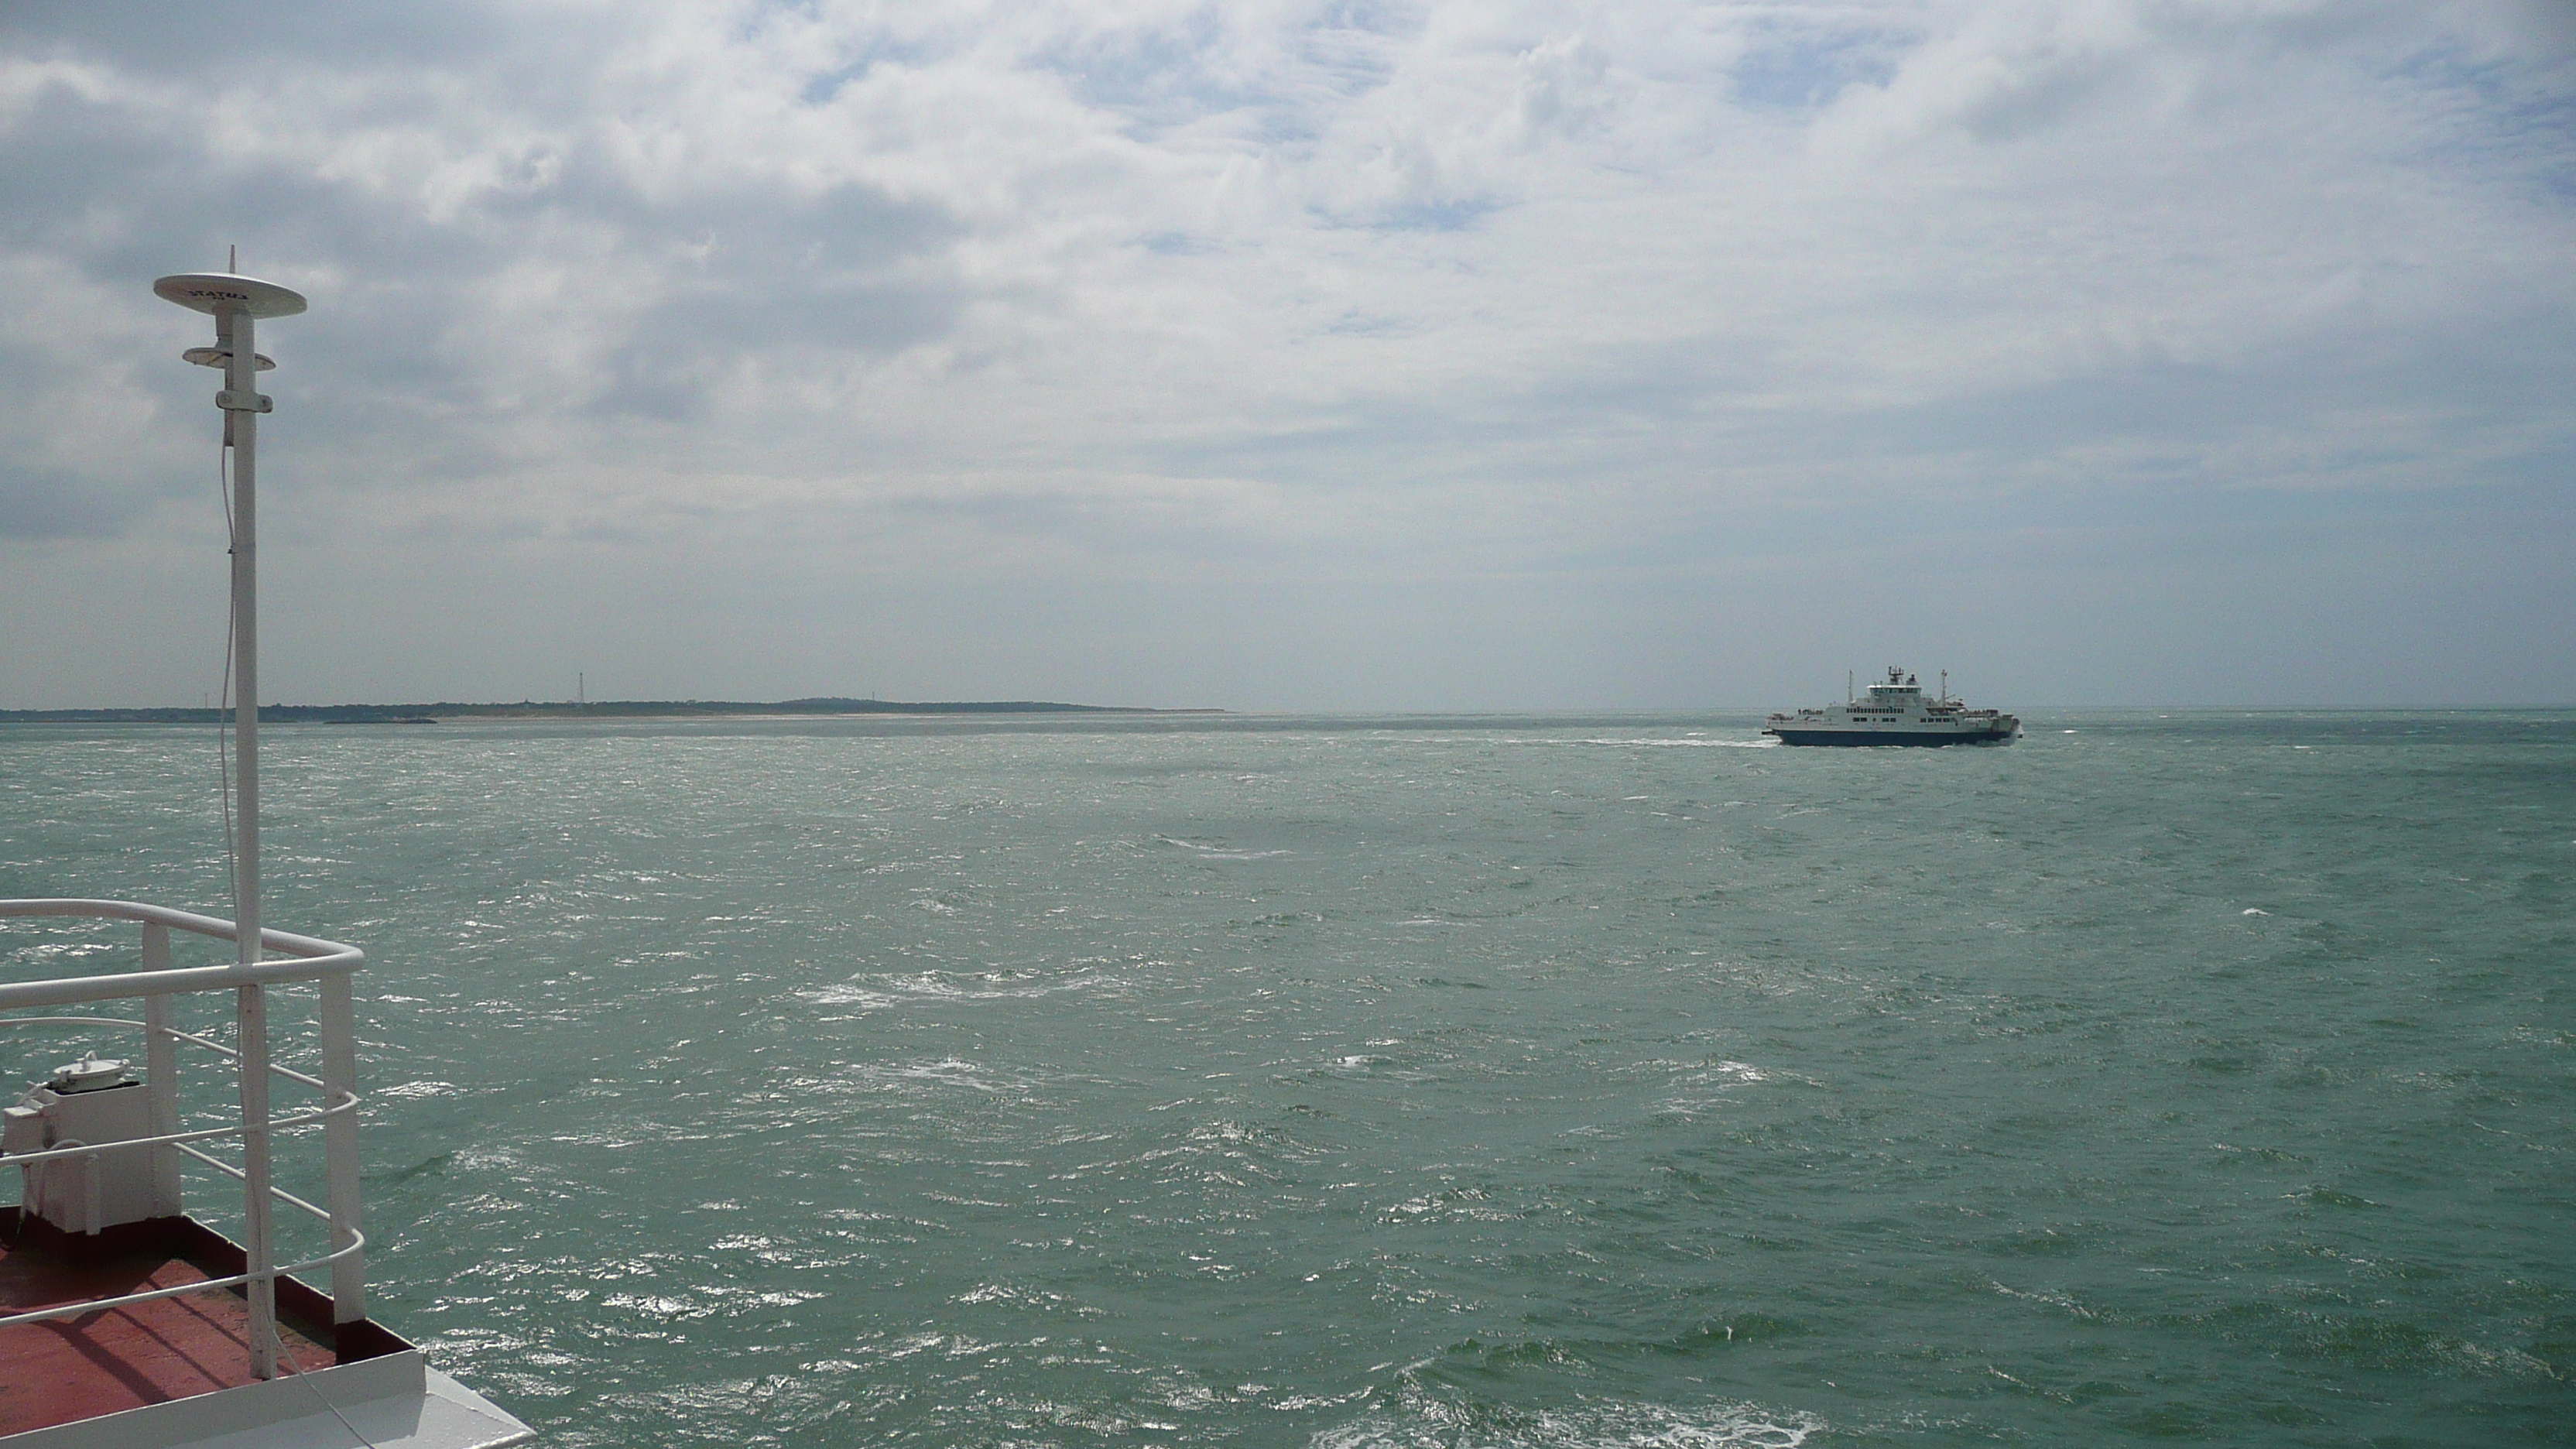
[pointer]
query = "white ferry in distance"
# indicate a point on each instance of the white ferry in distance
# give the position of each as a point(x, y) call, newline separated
point(1895, 713)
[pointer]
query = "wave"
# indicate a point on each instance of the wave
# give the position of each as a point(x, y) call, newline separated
point(1208, 850)
point(1425, 1422)
point(881, 992)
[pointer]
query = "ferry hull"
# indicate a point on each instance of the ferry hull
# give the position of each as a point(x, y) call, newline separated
point(1890, 737)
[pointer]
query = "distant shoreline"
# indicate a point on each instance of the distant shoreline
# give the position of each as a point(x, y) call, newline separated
point(607, 709)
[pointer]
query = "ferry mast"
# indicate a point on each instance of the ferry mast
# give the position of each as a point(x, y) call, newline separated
point(238, 304)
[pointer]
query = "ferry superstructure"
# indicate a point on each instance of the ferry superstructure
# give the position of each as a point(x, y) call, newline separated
point(126, 1323)
point(1895, 711)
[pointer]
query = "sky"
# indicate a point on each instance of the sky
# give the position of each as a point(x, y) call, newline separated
point(1303, 356)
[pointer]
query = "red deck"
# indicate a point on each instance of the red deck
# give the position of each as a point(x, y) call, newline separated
point(103, 1362)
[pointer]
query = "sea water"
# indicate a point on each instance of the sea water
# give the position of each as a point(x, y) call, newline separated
point(1393, 1082)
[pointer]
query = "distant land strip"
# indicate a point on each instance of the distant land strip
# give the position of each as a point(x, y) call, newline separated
point(559, 709)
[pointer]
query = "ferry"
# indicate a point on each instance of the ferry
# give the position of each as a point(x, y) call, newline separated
point(1895, 712)
point(126, 1322)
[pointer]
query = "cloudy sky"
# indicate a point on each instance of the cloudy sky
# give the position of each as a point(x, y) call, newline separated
point(1290, 355)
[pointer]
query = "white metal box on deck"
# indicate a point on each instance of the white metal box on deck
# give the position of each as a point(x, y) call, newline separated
point(85, 1194)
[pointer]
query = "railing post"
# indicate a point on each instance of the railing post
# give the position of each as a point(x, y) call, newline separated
point(161, 1074)
point(256, 1245)
point(340, 1147)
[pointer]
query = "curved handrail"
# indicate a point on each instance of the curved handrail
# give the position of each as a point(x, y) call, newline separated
point(312, 956)
point(190, 921)
point(329, 964)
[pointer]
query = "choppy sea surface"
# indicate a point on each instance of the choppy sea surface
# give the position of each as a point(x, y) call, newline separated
point(1474, 1082)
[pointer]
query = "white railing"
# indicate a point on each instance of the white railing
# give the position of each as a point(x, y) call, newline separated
point(326, 963)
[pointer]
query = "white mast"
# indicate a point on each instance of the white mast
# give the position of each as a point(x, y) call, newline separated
point(237, 303)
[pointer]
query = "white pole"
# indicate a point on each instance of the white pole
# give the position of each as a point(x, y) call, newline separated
point(161, 1074)
point(235, 300)
point(241, 382)
point(340, 1152)
point(241, 426)
point(256, 1249)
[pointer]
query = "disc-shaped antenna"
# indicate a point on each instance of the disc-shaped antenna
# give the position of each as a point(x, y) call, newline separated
point(218, 292)
point(222, 357)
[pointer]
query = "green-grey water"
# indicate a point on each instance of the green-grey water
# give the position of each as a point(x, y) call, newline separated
point(1392, 1082)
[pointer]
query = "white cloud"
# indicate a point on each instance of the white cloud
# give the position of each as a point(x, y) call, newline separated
point(1417, 302)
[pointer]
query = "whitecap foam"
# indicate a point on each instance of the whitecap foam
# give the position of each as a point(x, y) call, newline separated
point(1705, 1089)
point(882, 992)
point(1209, 850)
point(1424, 1422)
point(2050, 1297)
point(946, 1072)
